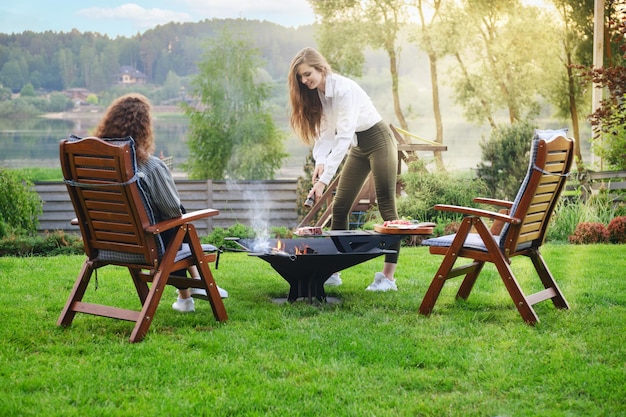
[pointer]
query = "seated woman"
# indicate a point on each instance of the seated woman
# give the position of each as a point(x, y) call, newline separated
point(130, 115)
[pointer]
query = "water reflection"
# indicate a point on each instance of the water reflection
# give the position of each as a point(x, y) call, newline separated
point(35, 142)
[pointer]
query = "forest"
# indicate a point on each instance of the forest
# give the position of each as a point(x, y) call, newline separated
point(56, 61)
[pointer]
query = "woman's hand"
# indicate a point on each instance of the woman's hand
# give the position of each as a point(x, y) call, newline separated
point(317, 190)
point(317, 173)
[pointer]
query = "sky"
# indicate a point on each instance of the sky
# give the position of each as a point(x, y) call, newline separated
point(127, 18)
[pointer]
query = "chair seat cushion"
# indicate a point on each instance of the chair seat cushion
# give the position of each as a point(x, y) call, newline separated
point(473, 241)
point(132, 258)
point(185, 251)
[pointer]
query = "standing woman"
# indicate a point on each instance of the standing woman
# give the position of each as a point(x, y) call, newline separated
point(337, 117)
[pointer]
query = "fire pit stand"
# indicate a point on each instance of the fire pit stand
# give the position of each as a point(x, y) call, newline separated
point(306, 263)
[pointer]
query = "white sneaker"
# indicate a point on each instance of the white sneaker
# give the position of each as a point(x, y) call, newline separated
point(184, 305)
point(334, 280)
point(223, 292)
point(201, 292)
point(382, 283)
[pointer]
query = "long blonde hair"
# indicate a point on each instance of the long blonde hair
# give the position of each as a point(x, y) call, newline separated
point(306, 107)
point(130, 115)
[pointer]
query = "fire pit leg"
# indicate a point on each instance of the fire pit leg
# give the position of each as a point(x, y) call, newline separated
point(306, 288)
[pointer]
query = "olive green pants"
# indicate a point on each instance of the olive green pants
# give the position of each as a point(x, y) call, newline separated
point(377, 153)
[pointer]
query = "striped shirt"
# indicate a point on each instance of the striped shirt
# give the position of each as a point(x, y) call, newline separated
point(161, 192)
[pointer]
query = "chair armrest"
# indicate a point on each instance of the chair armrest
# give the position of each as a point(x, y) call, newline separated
point(178, 221)
point(470, 211)
point(493, 202)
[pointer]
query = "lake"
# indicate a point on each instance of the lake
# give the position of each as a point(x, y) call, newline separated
point(34, 142)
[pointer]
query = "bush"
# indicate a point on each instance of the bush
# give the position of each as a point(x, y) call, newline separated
point(51, 244)
point(612, 146)
point(617, 230)
point(570, 212)
point(589, 232)
point(20, 205)
point(218, 236)
point(505, 159)
point(425, 189)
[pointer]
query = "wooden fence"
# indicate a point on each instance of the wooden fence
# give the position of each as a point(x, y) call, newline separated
point(260, 204)
point(610, 181)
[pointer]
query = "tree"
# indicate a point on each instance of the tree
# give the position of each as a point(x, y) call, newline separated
point(576, 38)
point(66, 64)
point(27, 90)
point(231, 133)
point(428, 40)
point(609, 120)
point(504, 52)
point(12, 75)
point(504, 157)
point(349, 26)
point(172, 87)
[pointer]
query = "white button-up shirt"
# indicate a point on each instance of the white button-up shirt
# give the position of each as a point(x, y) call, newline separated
point(347, 109)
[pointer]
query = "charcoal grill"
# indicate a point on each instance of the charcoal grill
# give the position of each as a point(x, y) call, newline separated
point(307, 262)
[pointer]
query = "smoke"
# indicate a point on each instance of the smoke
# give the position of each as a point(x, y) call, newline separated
point(259, 212)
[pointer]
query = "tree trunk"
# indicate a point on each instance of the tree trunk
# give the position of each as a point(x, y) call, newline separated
point(574, 114)
point(393, 67)
point(432, 58)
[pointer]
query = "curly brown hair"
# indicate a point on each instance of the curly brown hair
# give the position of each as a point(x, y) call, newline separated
point(129, 115)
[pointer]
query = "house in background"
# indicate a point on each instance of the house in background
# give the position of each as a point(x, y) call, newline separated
point(77, 94)
point(128, 75)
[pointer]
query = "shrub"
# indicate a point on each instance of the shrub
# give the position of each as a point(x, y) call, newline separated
point(451, 228)
point(20, 205)
point(570, 212)
point(612, 147)
point(589, 232)
point(505, 159)
point(425, 189)
point(51, 244)
point(218, 236)
point(617, 230)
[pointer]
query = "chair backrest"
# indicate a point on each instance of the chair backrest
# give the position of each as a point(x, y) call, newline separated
point(551, 158)
point(101, 178)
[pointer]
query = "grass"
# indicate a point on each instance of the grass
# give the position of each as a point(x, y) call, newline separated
point(370, 355)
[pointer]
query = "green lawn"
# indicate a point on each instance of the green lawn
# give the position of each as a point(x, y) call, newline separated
point(370, 355)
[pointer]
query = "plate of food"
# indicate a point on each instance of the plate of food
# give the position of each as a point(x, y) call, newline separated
point(308, 231)
point(405, 227)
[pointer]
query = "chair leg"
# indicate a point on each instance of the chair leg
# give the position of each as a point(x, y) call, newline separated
point(470, 279)
point(508, 278)
point(156, 290)
point(150, 304)
point(558, 299)
point(77, 294)
point(442, 274)
point(217, 305)
point(142, 288)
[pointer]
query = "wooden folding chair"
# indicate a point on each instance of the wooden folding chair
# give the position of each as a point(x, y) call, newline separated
point(118, 228)
point(519, 229)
